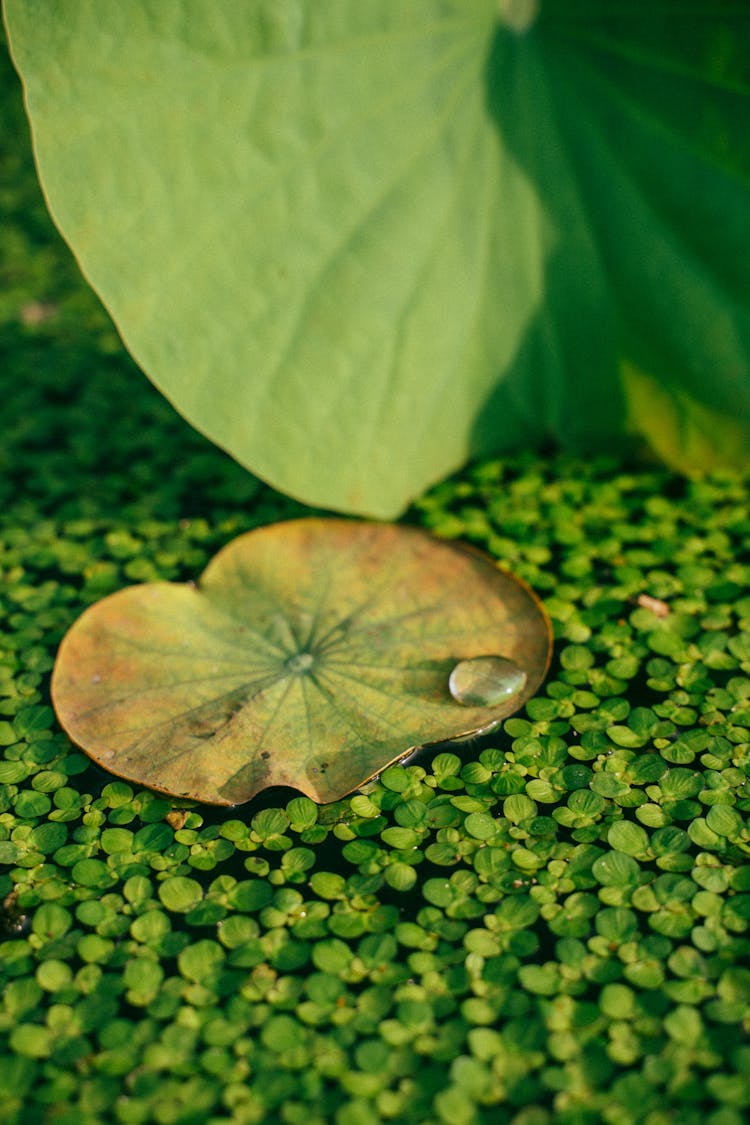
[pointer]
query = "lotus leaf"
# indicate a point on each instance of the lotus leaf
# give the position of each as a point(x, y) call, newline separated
point(356, 243)
point(313, 653)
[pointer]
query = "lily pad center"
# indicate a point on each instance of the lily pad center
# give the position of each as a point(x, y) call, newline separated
point(300, 664)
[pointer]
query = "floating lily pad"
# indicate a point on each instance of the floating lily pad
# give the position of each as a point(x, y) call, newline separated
point(313, 653)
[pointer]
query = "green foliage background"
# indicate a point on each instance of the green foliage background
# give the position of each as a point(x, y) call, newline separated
point(551, 928)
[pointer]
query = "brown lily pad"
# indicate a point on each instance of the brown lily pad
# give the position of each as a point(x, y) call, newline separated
point(312, 653)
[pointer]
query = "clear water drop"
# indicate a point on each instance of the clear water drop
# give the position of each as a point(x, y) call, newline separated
point(484, 681)
point(300, 663)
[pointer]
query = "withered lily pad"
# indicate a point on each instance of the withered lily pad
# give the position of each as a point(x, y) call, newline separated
point(313, 653)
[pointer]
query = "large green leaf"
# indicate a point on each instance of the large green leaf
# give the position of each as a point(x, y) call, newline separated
point(313, 653)
point(355, 243)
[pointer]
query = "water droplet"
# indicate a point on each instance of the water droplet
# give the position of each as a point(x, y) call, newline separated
point(300, 663)
point(484, 681)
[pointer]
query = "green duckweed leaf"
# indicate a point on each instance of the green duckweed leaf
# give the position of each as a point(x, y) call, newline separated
point(54, 975)
point(312, 654)
point(683, 1024)
point(615, 869)
point(734, 985)
point(51, 921)
point(200, 960)
point(724, 821)
point(142, 977)
point(180, 893)
point(32, 1041)
point(400, 234)
point(540, 979)
point(629, 838)
point(400, 876)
